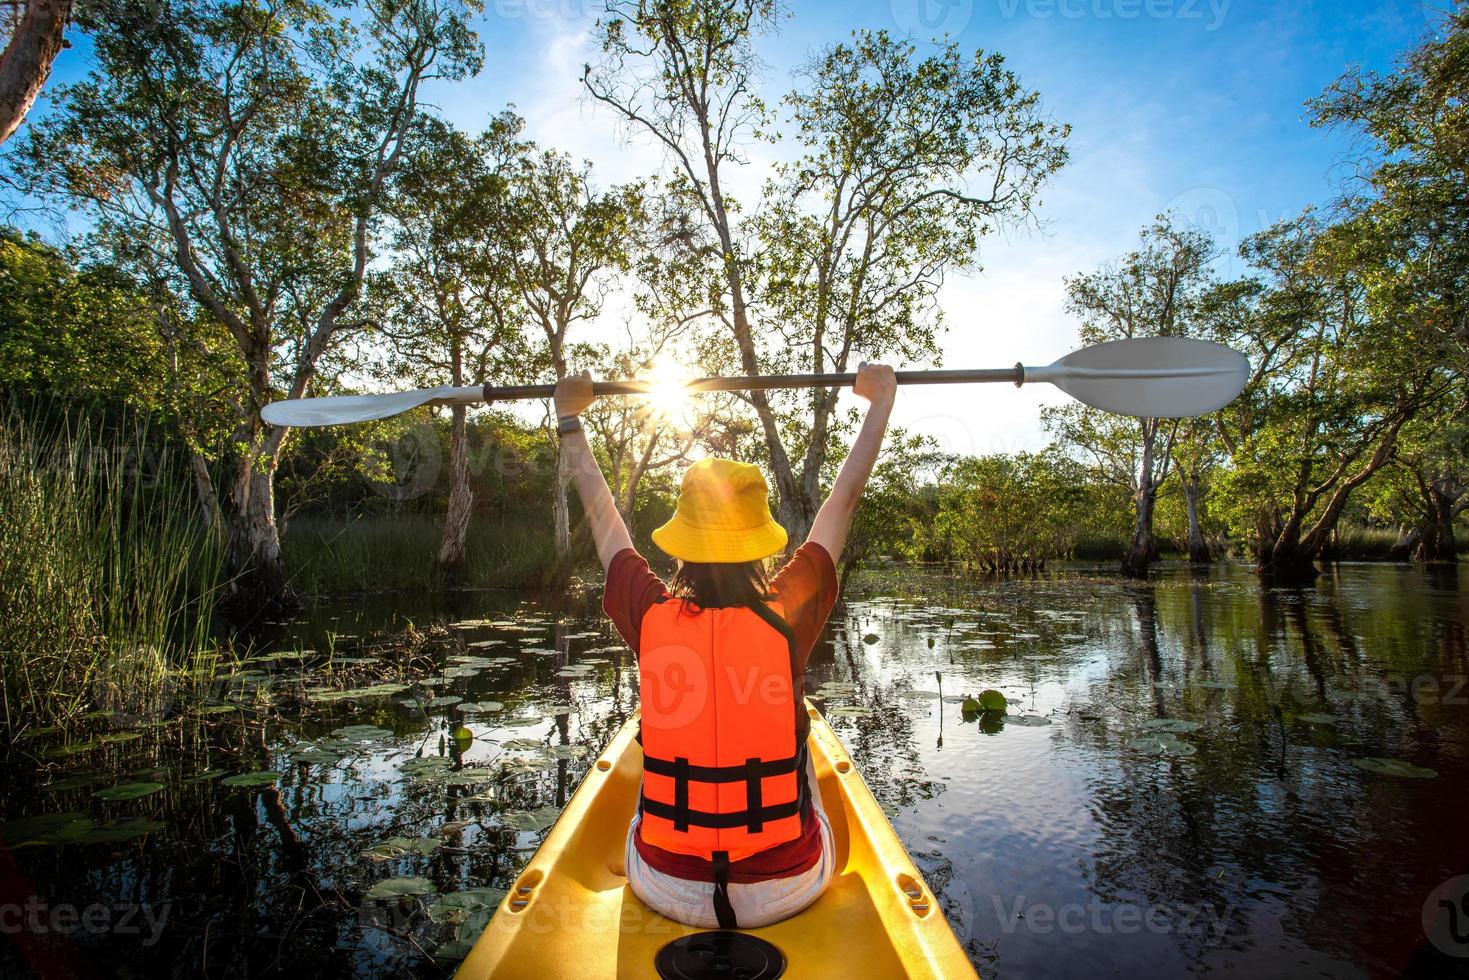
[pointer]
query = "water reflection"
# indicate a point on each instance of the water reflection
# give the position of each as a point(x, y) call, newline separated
point(1177, 786)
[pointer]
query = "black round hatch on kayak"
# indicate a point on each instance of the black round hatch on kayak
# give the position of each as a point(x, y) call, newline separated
point(720, 955)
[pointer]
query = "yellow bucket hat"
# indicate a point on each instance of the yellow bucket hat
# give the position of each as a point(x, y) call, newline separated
point(722, 515)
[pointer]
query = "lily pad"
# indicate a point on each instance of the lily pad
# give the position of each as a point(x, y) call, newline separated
point(1175, 725)
point(537, 819)
point(870, 638)
point(128, 791)
point(72, 828)
point(848, 711)
point(427, 765)
point(1394, 767)
point(1028, 721)
point(396, 847)
point(398, 887)
point(992, 700)
point(264, 777)
point(480, 707)
point(114, 738)
point(1163, 745)
point(71, 782)
point(373, 691)
point(362, 733)
point(524, 745)
point(205, 776)
point(455, 907)
point(444, 701)
point(113, 831)
point(1317, 719)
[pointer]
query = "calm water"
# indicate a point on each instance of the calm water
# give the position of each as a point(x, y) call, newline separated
point(1176, 790)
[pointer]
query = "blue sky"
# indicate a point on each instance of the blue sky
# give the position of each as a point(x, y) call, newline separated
point(1193, 105)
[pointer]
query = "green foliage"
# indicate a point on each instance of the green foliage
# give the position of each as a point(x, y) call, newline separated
point(105, 572)
point(1006, 514)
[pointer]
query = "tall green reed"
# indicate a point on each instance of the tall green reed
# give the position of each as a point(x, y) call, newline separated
point(106, 572)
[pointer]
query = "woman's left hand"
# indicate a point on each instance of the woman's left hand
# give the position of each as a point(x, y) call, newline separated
point(573, 395)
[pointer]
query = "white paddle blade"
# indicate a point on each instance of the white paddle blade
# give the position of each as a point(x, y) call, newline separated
point(1150, 377)
point(339, 409)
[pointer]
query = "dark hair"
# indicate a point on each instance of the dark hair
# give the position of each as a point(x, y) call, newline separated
point(715, 585)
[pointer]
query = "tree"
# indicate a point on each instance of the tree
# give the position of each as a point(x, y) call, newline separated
point(898, 504)
point(25, 63)
point(90, 335)
point(1335, 380)
point(1410, 190)
point(1153, 291)
point(447, 302)
point(570, 242)
point(1428, 485)
point(252, 147)
point(904, 164)
point(1009, 514)
point(1196, 453)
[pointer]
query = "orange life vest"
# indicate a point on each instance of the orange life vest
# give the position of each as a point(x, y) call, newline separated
point(723, 759)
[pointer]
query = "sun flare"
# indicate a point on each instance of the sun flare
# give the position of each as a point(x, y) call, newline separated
point(669, 395)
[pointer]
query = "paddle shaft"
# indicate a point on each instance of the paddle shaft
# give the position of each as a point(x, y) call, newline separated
point(765, 382)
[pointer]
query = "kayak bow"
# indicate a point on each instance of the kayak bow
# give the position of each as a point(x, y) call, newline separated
point(571, 913)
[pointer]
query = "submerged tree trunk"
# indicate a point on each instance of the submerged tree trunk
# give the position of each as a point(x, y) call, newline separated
point(1198, 548)
point(1152, 470)
point(1436, 542)
point(450, 558)
point(1143, 549)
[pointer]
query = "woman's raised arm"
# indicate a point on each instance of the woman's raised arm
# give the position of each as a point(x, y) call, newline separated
point(879, 386)
point(573, 395)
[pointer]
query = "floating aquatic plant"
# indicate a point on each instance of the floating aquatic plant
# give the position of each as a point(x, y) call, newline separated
point(1394, 767)
point(127, 791)
point(399, 887)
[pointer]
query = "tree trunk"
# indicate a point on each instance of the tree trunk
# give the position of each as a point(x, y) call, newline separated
point(1406, 545)
point(257, 573)
point(562, 520)
point(1143, 549)
point(450, 558)
point(26, 61)
point(796, 514)
point(1285, 559)
point(1198, 548)
point(209, 509)
point(1437, 541)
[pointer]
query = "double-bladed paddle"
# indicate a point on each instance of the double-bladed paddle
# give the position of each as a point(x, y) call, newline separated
point(1149, 377)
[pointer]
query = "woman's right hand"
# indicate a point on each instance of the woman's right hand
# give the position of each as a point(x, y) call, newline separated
point(876, 383)
point(573, 395)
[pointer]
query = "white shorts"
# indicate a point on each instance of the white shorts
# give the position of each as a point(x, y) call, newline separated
point(755, 904)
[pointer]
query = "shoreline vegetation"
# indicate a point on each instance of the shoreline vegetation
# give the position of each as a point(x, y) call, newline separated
point(227, 263)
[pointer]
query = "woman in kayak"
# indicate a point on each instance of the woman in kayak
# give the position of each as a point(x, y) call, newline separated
point(730, 831)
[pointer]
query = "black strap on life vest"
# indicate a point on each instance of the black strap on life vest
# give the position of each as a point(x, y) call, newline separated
point(724, 912)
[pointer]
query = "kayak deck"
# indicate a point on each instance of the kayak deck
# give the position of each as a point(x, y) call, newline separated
point(571, 913)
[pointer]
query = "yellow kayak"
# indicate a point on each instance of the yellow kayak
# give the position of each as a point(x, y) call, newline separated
point(572, 914)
